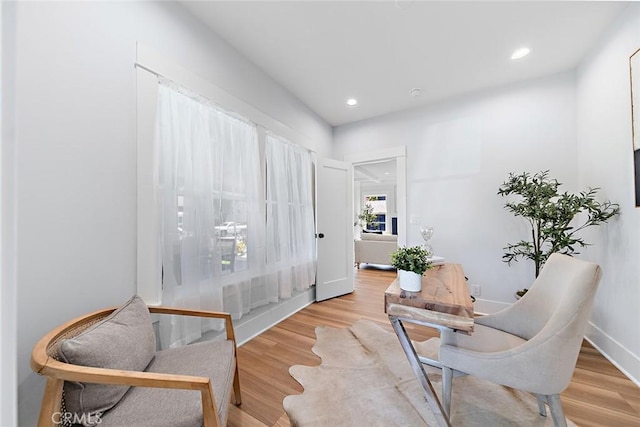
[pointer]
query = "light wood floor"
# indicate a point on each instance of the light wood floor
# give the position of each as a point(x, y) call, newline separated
point(599, 394)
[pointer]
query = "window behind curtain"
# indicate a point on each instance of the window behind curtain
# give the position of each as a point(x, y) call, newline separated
point(220, 250)
point(207, 188)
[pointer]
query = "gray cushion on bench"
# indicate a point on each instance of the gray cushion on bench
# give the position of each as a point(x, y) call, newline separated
point(159, 407)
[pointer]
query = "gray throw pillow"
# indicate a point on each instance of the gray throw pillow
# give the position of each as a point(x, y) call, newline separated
point(124, 340)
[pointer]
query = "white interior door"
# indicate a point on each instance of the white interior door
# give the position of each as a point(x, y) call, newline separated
point(334, 229)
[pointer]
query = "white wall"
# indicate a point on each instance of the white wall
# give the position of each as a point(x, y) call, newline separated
point(8, 287)
point(605, 159)
point(76, 184)
point(458, 154)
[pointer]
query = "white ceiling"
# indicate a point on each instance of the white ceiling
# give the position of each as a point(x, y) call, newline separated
point(327, 51)
point(375, 173)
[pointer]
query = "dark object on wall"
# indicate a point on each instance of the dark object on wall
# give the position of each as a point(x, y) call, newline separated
point(394, 225)
point(636, 155)
point(634, 70)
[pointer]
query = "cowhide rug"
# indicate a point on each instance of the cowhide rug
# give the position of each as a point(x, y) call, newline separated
point(365, 380)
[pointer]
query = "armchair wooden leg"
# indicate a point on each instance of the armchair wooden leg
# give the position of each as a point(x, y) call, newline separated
point(556, 410)
point(542, 410)
point(50, 409)
point(210, 415)
point(236, 386)
point(447, 380)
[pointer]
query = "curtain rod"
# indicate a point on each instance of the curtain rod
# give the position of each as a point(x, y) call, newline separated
point(155, 73)
point(139, 65)
point(199, 98)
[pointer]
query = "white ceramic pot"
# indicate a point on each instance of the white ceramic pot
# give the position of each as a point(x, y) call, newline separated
point(410, 281)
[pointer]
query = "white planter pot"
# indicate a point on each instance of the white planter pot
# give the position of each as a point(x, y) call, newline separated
point(410, 281)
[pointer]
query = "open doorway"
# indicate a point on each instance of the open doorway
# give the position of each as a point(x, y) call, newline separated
point(380, 182)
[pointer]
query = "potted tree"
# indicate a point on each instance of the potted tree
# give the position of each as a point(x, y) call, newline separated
point(411, 263)
point(552, 217)
point(367, 216)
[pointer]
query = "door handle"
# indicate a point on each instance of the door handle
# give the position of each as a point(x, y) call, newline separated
point(320, 235)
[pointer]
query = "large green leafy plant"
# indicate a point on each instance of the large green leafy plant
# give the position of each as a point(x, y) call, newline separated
point(550, 215)
point(414, 258)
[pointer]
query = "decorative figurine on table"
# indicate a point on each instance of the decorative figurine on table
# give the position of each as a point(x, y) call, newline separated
point(427, 233)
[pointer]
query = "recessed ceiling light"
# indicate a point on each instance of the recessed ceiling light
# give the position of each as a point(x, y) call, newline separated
point(416, 91)
point(352, 102)
point(387, 173)
point(520, 53)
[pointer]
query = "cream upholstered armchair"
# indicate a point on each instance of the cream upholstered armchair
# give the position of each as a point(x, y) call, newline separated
point(534, 344)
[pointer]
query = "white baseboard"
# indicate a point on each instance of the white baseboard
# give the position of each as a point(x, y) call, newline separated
point(252, 326)
point(616, 353)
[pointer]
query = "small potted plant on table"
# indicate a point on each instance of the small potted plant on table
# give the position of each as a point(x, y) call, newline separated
point(411, 263)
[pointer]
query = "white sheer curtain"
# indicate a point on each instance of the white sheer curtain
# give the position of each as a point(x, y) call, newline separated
point(208, 181)
point(290, 221)
point(220, 249)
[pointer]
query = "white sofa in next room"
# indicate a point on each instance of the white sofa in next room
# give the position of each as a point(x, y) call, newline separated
point(375, 248)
